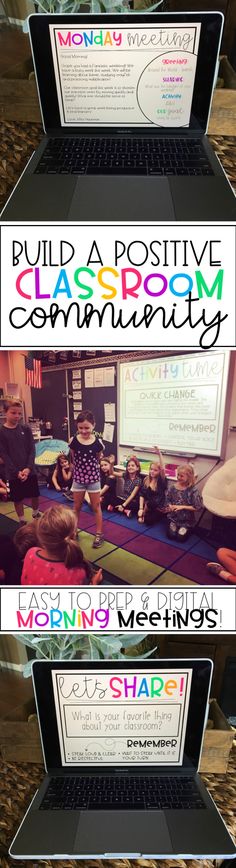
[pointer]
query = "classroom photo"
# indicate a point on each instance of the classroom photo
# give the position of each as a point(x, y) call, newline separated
point(118, 467)
point(121, 754)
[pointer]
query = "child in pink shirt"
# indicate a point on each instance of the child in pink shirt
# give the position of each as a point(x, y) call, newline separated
point(58, 560)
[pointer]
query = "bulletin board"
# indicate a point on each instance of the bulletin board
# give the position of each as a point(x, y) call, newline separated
point(97, 393)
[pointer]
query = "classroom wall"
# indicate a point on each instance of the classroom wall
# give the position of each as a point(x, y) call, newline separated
point(4, 368)
point(12, 370)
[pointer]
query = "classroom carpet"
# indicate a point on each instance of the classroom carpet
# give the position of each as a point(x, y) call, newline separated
point(132, 553)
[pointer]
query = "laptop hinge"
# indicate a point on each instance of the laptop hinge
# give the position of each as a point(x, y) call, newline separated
point(147, 770)
point(59, 132)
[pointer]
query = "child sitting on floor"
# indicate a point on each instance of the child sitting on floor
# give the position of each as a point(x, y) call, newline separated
point(183, 500)
point(132, 484)
point(226, 569)
point(58, 559)
point(152, 493)
point(108, 483)
point(13, 551)
point(62, 474)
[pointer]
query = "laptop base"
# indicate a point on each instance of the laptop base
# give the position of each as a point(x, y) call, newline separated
point(123, 198)
point(121, 834)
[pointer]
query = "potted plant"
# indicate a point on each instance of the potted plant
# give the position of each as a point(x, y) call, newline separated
point(95, 6)
point(93, 646)
point(19, 732)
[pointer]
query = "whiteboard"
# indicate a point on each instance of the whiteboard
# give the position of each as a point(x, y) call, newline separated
point(175, 402)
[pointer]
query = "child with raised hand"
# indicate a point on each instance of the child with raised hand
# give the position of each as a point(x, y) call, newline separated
point(152, 492)
point(57, 559)
point(132, 484)
point(62, 474)
point(183, 501)
point(18, 452)
point(87, 450)
point(108, 482)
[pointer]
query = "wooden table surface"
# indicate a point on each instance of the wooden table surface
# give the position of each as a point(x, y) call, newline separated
point(223, 113)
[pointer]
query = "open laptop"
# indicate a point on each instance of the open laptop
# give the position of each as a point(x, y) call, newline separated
point(125, 102)
point(122, 742)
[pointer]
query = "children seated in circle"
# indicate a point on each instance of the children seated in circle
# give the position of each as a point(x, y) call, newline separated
point(183, 500)
point(152, 493)
point(62, 474)
point(108, 482)
point(132, 484)
point(57, 559)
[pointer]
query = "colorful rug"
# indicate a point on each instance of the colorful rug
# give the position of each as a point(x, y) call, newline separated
point(131, 554)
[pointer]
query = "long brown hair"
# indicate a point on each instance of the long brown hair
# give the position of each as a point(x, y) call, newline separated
point(108, 461)
point(56, 533)
point(137, 464)
point(147, 479)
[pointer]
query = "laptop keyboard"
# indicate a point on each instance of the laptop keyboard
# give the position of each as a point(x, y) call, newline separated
point(109, 793)
point(109, 156)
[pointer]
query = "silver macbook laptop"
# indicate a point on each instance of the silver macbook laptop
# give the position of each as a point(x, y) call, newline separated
point(125, 102)
point(122, 743)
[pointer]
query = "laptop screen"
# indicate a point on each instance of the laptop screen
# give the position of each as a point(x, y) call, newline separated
point(140, 76)
point(125, 72)
point(121, 718)
point(122, 713)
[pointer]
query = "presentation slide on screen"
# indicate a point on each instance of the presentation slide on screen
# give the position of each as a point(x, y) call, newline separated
point(123, 717)
point(177, 403)
point(135, 76)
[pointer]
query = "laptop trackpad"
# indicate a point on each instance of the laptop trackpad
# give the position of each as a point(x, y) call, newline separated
point(122, 833)
point(121, 198)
